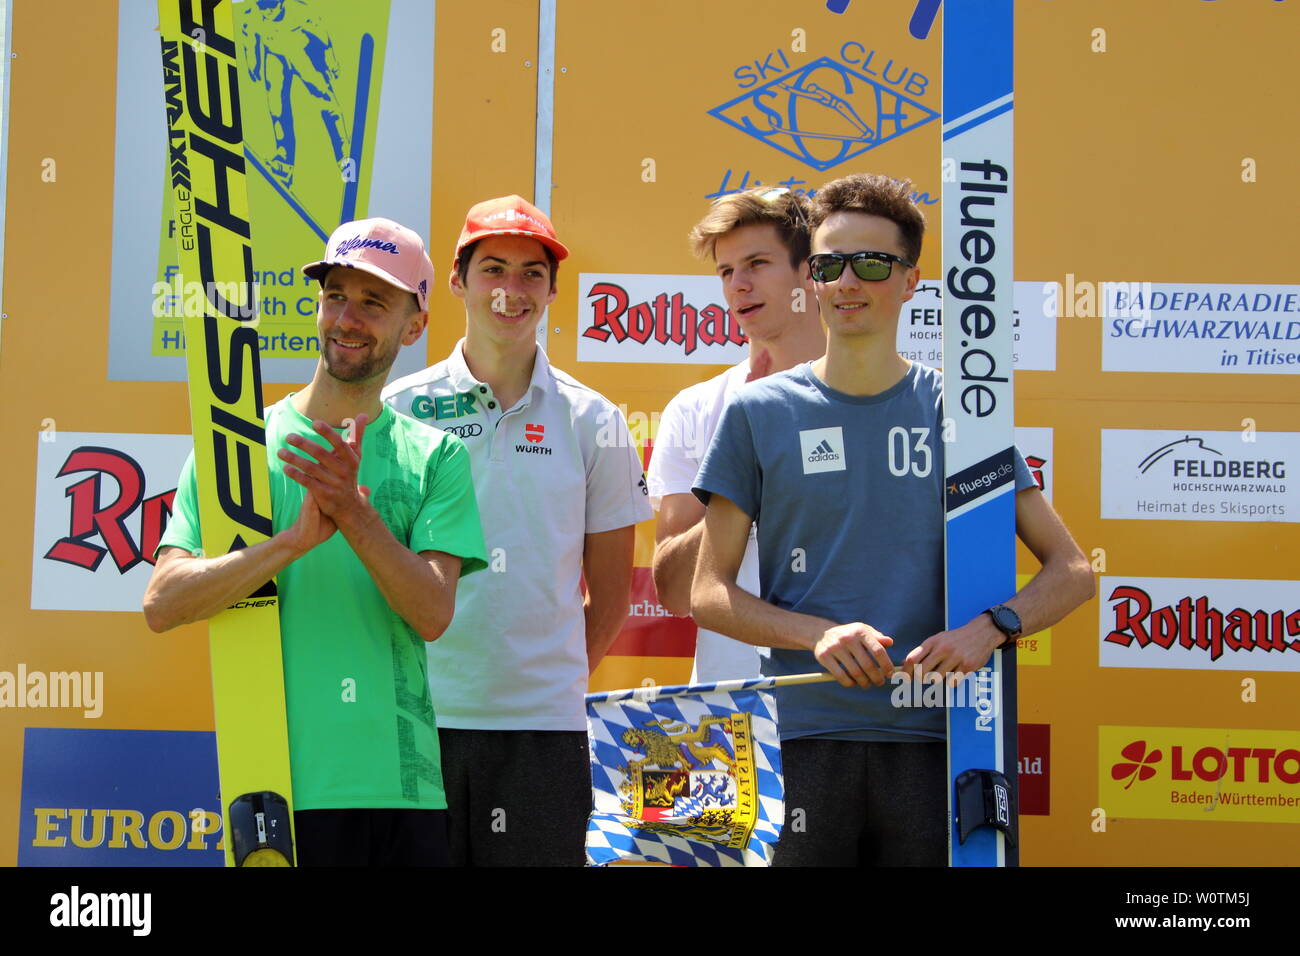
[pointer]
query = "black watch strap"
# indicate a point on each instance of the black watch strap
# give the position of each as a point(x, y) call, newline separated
point(1007, 621)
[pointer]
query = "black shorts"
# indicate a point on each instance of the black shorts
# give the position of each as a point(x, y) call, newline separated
point(853, 803)
point(371, 837)
point(517, 797)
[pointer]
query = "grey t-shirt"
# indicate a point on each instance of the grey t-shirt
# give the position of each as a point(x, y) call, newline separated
point(847, 495)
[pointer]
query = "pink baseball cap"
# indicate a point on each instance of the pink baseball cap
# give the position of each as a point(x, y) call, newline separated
point(509, 216)
point(383, 248)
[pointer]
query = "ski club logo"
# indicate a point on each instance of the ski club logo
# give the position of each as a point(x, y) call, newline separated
point(534, 435)
point(102, 506)
point(1200, 623)
point(1138, 763)
point(1200, 774)
point(829, 111)
point(822, 449)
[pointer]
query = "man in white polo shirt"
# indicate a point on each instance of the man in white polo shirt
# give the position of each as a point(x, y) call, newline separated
point(758, 240)
point(558, 500)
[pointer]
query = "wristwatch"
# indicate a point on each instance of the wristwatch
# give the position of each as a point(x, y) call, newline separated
point(1007, 621)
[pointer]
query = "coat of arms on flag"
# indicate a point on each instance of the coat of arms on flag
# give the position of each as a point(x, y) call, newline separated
point(685, 775)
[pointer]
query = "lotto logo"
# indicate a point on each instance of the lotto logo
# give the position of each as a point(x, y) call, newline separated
point(822, 449)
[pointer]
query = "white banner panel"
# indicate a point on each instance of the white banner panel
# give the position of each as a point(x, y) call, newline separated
point(1162, 475)
point(102, 504)
point(1201, 327)
point(1199, 623)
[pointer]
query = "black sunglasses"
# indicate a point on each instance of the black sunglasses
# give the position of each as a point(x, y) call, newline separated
point(870, 266)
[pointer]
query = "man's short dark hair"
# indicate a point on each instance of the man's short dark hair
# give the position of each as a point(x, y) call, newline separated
point(874, 195)
point(783, 209)
point(466, 254)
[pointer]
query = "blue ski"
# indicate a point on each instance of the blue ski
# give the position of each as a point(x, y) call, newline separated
point(979, 477)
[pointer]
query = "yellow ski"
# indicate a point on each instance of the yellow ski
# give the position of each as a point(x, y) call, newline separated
point(207, 174)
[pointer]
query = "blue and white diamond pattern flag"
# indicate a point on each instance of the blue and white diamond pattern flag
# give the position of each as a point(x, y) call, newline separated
point(687, 775)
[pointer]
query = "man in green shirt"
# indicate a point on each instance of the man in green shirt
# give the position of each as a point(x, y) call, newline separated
point(370, 533)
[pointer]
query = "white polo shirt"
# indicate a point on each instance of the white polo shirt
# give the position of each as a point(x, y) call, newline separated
point(685, 430)
point(557, 466)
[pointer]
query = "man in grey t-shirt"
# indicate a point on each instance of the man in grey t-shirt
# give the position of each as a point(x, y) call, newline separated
point(840, 463)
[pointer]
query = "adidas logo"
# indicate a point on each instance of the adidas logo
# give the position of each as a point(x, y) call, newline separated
point(822, 449)
point(824, 452)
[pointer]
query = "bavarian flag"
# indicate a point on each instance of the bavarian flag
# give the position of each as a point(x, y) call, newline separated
point(687, 775)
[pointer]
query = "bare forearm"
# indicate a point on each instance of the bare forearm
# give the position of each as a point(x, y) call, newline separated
point(729, 609)
point(195, 589)
point(421, 594)
point(604, 619)
point(1057, 589)
point(674, 569)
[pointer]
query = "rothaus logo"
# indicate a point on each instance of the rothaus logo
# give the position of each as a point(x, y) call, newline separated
point(822, 449)
point(1193, 624)
point(664, 319)
point(95, 516)
point(361, 242)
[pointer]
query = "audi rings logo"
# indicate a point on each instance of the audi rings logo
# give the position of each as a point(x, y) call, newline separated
point(465, 431)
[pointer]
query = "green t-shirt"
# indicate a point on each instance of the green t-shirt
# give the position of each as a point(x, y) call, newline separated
point(361, 722)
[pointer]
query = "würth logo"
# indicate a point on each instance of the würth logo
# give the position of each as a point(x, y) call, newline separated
point(822, 449)
point(534, 435)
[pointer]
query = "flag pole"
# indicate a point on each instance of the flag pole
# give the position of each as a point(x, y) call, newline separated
point(657, 692)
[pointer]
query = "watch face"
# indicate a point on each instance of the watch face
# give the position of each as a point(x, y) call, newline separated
point(1007, 620)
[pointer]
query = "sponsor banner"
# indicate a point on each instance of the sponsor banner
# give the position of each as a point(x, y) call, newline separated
point(651, 630)
point(684, 319)
point(1035, 768)
point(1186, 773)
point(119, 798)
point(102, 504)
point(1201, 327)
point(1036, 445)
point(1033, 346)
point(1164, 475)
point(326, 140)
point(1033, 649)
point(1200, 623)
point(657, 319)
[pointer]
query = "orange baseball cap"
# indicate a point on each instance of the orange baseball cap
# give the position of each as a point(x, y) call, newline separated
point(509, 216)
point(383, 248)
